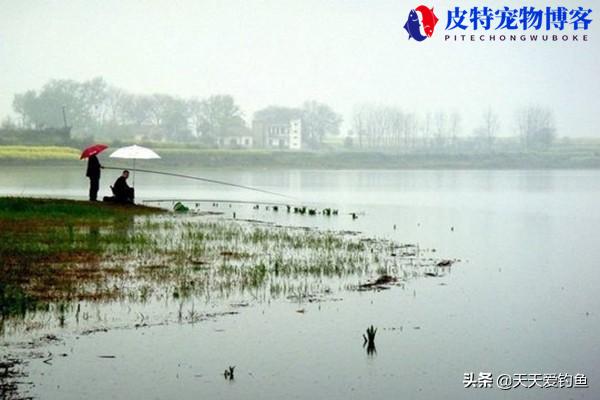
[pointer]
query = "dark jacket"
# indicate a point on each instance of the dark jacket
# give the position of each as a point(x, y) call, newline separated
point(93, 168)
point(121, 189)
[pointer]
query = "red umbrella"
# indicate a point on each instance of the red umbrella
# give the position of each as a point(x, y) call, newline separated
point(93, 150)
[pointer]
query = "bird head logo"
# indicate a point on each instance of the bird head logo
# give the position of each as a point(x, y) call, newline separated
point(426, 21)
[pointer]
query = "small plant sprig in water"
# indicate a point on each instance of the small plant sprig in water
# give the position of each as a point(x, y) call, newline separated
point(369, 340)
point(228, 374)
point(369, 337)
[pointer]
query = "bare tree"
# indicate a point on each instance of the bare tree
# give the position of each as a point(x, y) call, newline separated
point(426, 127)
point(410, 130)
point(440, 128)
point(536, 126)
point(359, 123)
point(382, 126)
point(454, 126)
point(487, 131)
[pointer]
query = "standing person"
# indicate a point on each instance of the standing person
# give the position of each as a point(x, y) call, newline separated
point(93, 172)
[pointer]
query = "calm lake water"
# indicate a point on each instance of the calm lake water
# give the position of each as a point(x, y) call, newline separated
point(524, 298)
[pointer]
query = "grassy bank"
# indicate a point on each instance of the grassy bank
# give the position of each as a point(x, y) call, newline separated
point(60, 255)
point(26, 154)
point(43, 243)
point(554, 158)
point(62, 211)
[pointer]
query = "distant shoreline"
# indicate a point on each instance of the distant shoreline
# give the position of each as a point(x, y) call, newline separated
point(576, 158)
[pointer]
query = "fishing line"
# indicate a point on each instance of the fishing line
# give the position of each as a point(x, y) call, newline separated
point(203, 180)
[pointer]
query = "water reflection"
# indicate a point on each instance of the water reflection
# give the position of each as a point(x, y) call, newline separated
point(371, 349)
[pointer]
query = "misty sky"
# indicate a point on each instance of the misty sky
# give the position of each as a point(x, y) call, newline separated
point(342, 52)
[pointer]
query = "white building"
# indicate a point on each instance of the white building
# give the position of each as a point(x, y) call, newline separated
point(295, 141)
point(286, 135)
point(236, 141)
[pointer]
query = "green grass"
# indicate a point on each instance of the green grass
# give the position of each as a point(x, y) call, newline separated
point(33, 209)
point(48, 248)
point(50, 230)
point(55, 251)
point(35, 153)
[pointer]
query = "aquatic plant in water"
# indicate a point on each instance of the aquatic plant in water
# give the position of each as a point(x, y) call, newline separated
point(141, 259)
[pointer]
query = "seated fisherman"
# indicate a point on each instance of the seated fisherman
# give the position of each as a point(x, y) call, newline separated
point(122, 191)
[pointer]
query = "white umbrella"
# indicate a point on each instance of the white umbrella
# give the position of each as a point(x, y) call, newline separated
point(134, 152)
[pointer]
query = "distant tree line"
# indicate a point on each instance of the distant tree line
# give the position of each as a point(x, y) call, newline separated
point(10, 135)
point(536, 126)
point(381, 127)
point(95, 108)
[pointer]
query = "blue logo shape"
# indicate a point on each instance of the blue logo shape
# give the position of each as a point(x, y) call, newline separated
point(413, 25)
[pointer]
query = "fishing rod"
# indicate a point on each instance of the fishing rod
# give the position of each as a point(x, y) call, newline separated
point(197, 178)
